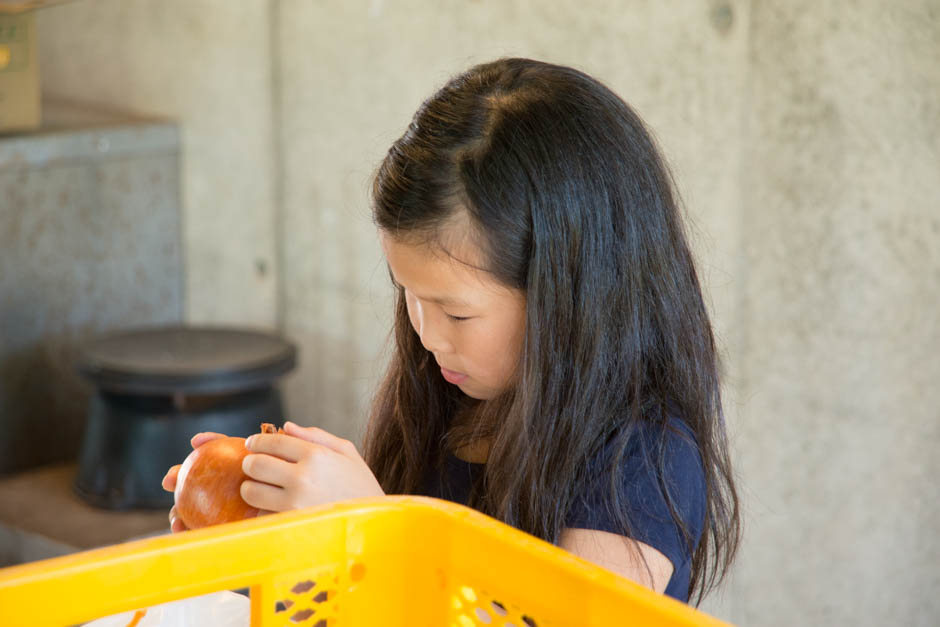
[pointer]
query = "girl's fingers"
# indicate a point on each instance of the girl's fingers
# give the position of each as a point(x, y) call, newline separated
point(264, 496)
point(268, 469)
point(176, 525)
point(201, 438)
point(169, 481)
point(288, 448)
point(319, 436)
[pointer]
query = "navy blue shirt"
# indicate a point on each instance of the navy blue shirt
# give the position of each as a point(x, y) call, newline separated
point(648, 511)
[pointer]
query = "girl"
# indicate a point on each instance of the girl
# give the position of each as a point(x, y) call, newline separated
point(554, 364)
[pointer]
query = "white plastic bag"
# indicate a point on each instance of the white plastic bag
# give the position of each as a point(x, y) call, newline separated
point(220, 609)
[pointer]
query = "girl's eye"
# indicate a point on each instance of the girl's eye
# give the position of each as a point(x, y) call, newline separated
point(458, 318)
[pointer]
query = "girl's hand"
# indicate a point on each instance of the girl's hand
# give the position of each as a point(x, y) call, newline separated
point(304, 467)
point(169, 481)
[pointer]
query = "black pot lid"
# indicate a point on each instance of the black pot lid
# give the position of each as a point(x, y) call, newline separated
point(186, 359)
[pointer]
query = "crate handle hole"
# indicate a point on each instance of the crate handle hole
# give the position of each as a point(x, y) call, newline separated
point(303, 586)
point(301, 616)
point(468, 593)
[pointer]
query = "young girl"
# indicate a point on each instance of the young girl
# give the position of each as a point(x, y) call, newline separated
point(554, 364)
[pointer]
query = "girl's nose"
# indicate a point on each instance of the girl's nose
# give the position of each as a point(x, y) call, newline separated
point(433, 339)
point(431, 329)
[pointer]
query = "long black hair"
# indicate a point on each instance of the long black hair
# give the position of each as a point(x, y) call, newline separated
point(571, 203)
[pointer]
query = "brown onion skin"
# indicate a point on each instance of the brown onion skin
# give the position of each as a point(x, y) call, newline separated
point(208, 485)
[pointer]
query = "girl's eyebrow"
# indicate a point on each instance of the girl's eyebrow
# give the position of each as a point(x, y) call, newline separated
point(446, 301)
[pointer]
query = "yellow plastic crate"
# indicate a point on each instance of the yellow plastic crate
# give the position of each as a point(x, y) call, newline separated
point(391, 561)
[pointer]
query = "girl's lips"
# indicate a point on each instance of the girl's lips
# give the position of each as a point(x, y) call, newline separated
point(453, 377)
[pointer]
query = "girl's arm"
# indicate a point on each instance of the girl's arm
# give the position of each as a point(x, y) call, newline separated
point(621, 555)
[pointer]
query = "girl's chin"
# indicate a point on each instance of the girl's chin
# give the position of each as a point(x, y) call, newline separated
point(476, 393)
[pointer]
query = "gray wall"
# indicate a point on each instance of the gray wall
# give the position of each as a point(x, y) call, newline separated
point(838, 361)
point(89, 243)
point(206, 63)
point(806, 140)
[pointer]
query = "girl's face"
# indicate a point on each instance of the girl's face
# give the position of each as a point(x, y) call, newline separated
point(473, 325)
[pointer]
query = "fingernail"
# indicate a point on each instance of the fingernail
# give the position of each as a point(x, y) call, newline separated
point(248, 442)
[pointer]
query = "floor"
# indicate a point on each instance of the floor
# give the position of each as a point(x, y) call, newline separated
point(40, 517)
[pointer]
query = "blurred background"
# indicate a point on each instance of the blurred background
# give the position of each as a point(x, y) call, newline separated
point(805, 140)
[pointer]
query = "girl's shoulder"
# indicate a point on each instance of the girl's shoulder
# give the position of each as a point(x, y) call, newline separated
point(657, 470)
point(668, 448)
point(668, 455)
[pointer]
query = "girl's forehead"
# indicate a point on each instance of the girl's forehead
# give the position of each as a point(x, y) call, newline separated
point(429, 268)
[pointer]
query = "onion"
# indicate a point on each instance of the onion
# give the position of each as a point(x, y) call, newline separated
point(208, 485)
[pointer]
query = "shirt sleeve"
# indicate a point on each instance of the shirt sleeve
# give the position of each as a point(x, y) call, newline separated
point(643, 495)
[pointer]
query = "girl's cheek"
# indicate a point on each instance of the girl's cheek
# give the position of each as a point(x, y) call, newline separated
point(410, 307)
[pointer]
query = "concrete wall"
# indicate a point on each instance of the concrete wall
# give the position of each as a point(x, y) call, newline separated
point(206, 64)
point(804, 138)
point(89, 243)
point(839, 299)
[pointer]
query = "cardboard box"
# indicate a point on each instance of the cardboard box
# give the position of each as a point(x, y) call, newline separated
point(20, 103)
point(19, 72)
